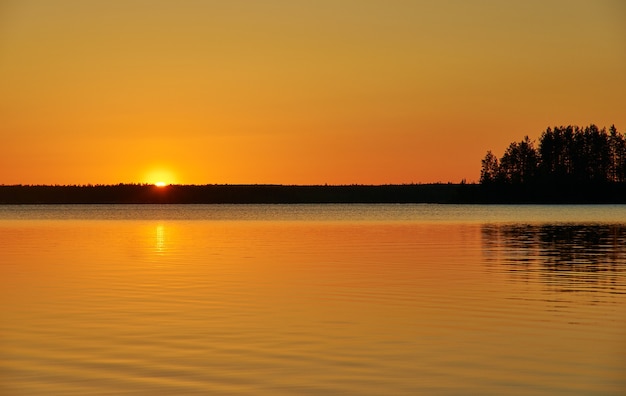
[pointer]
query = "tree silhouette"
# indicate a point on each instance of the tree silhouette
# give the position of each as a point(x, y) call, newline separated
point(617, 156)
point(490, 169)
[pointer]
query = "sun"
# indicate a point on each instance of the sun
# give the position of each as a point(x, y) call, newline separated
point(160, 177)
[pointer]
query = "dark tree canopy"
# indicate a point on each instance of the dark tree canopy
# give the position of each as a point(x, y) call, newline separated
point(565, 155)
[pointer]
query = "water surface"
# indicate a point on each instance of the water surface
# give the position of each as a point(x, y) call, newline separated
point(312, 299)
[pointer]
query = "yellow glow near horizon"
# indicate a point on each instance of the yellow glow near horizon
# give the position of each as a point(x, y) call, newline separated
point(160, 177)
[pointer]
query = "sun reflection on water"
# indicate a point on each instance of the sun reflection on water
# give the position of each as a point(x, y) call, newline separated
point(159, 239)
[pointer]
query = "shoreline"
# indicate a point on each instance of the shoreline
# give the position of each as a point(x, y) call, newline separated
point(607, 193)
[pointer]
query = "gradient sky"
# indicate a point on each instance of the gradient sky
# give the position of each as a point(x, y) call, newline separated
point(295, 92)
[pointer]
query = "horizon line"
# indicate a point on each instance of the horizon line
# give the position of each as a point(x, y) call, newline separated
point(237, 184)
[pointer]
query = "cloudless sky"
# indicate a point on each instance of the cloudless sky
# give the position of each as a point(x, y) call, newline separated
point(296, 92)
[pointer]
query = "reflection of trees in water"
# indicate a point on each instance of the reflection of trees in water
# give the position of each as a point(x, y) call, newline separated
point(564, 255)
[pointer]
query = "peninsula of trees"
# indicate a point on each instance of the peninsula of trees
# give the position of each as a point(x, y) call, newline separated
point(569, 164)
point(564, 156)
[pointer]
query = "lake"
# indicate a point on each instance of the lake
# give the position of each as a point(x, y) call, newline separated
point(312, 300)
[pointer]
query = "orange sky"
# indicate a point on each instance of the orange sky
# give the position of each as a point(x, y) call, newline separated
point(295, 92)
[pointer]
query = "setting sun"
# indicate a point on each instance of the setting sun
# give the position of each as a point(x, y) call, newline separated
point(160, 176)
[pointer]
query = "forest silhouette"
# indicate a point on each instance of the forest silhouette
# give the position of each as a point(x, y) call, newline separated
point(566, 155)
point(570, 165)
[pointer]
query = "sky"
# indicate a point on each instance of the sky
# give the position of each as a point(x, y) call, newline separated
point(296, 92)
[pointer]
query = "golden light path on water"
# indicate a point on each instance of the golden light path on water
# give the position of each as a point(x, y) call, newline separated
point(311, 300)
point(160, 238)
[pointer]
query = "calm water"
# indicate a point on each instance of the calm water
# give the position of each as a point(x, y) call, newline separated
point(307, 299)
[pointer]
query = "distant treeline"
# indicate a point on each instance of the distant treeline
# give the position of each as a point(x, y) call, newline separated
point(225, 194)
point(280, 194)
point(565, 156)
